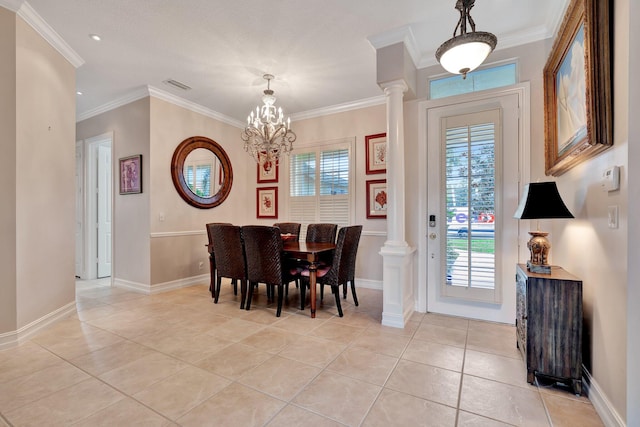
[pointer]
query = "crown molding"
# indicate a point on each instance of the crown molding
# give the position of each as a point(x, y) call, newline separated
point(31, 17)
point(137, 94)
point(340, 108)
point(12, 5)
point(402, 34)
point(190, 105)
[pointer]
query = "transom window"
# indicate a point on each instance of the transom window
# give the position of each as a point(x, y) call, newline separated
point(487, 78)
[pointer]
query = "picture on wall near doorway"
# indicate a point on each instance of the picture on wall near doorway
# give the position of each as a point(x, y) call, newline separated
point(577, 88)
point(267, 202)
point(131, 174)
point(377, 198)
point(376, 148)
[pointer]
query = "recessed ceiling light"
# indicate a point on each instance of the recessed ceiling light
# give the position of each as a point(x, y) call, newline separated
point(95, 37)
point(78, 93)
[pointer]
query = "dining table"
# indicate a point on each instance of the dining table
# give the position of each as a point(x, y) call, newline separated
point(310, 252)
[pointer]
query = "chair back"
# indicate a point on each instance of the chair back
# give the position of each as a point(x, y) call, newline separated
point(230, 256)
point(289, 228)
point(263, 249)
point(344, 257)
point(209, 232)
point(321, 233)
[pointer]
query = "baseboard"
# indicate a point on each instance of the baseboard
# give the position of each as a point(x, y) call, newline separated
point(13, 338)
point(146, 289)
point(369, 284)
point(599, 400)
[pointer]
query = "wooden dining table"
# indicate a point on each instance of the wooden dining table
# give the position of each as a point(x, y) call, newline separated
point(310, 252)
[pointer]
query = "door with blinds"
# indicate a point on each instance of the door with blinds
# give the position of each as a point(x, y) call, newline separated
point(472, 190)
point(320, 185)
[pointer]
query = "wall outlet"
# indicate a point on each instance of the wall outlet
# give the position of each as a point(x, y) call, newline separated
point(201, 265)
point(612, 216)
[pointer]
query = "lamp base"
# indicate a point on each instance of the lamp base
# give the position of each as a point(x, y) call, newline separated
point(541, 269)
point(539, 247)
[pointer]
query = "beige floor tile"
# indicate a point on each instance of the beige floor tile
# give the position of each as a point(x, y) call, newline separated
point(236, 330)
point(390, 345)
point(313, 351)
point(271, 340)
point(279, 377)
point(502, 402)
point(97, 312)
point(495, 367)
point(408, 331)
point(189, 346)
point(234, 361)
point(299, 323)
point(550, 386)
point(466, 419)
point(29, 388)
point(447, 321)
point(126, 412)
point(337, 332)
point(337, 397)
point(359, 320)
point(23, 360)
point(399, 409)
point(293, 416)
point(363, 365)
point(177, 394)
point(435, 354)
point(493, 338)
point(427, 382)
point(565, 412)
point(111, 357)
point(236, 405)
point(89, 340)
point(141, 373)
point(66, 406)
point(441, 334)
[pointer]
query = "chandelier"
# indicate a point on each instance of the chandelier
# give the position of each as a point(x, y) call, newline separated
point(267, 135)
point(465, 52)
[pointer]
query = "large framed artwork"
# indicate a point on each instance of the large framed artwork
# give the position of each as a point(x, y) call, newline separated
point(131, 174)
point(267, 170)
point(376, 147)
point(577, 88)
point(377, 198)
point(267, 202)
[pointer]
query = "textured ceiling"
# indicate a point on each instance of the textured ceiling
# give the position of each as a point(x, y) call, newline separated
point(321, 52)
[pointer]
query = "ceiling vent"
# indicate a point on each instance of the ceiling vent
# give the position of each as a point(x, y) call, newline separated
point(176, 84)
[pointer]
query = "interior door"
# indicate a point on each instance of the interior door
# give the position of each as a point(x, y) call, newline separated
point(79, 210)
point(473, 173)
point(104, 210)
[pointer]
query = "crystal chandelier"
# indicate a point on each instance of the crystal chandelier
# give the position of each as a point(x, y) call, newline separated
point(267, 135)
point(465, 52)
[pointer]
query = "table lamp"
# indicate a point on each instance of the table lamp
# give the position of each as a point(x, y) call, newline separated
point(540, 200)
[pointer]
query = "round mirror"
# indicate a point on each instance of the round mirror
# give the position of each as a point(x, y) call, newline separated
point(201, 172)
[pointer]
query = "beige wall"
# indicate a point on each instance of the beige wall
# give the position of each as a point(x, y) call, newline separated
point(589, 249)
point(130, 125)
point(7, 171)
point(45, 181)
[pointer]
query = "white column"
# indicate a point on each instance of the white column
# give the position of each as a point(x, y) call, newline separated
point(397, 271)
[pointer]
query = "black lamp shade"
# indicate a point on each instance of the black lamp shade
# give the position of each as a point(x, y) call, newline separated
point(541, 200)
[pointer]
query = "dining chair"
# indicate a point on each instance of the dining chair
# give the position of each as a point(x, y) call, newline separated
point(263, 249)
point(230, 258)
point(289, 228)
point(341, 271)
point(212, 260)
point(321, 233)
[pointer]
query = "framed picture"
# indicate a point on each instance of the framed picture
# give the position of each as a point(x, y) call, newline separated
point(577, 88)
point(267, 202)
point(267, 170)
point(377, 198)
point(376, 146)
point(131, 174)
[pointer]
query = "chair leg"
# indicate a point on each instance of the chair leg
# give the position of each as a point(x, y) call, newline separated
point(344, 289)
point(243, 292)
point(336, 292)
point(321, 291)
point(234, 282)
point(218, 281)
point(353, 291)
point(280, 295)
point(247, 306)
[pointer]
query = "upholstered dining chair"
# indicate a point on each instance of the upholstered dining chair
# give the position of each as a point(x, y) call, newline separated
point(212, 260)
point(230, 258)
point(289, 228)
point(342, 269)
point(263, 249)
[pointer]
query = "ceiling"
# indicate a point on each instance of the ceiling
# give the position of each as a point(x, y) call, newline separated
point(321, 52)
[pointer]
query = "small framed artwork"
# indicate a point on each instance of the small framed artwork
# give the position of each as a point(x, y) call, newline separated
point(267, 202)
point(376, 146)
point(267, 170)
point(577, 88)
point(131, 174)
point(377, 198)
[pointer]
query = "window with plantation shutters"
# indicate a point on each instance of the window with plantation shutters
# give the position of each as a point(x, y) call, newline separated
point(320, 185)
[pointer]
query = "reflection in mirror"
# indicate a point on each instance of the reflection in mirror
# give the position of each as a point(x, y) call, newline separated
point(203, 173)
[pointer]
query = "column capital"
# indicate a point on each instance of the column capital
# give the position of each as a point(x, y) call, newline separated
point(394, 85)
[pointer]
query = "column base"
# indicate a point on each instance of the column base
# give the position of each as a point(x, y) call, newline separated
point(397, 284)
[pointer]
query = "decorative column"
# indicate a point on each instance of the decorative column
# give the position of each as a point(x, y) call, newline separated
point(397, 271)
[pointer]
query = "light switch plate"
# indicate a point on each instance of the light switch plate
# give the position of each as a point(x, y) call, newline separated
point(612, 216)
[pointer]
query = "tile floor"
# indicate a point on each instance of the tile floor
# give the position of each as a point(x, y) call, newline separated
point(178, 359)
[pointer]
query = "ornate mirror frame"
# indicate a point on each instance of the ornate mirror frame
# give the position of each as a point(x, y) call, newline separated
point(177, 172)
